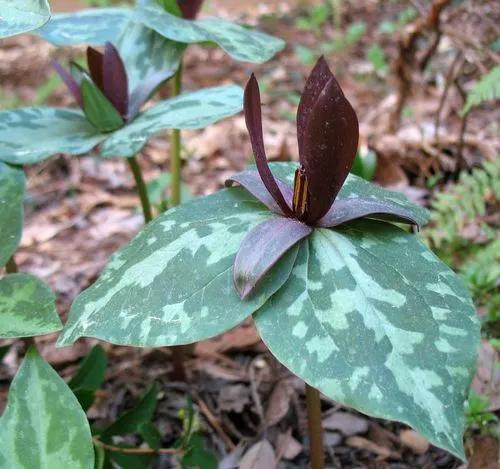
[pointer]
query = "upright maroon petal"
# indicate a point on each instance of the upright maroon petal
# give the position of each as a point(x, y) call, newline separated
point(315, 83)
point(69, 81)
point(190, 8)
point(330, 140)
point(95, 62)
point(253, 119)
point(115, 79)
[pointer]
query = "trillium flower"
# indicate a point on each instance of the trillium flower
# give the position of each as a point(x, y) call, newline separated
point(327, 133)
point(103, 91)
point(190, 8)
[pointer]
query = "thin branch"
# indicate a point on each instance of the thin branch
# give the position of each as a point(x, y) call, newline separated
point(139, 451)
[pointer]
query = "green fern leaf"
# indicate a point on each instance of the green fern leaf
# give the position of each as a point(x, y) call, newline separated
point(486, 89)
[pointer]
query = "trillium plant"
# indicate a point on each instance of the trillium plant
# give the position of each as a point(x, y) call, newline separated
point(341, 292)
point(22, 16)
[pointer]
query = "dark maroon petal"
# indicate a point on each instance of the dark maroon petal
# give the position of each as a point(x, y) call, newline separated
point(252, 182)
point(330, 141)
point(344, 210)
point(115, 79)
point(262, 247)
point(190, 8)
point(315, 83)
point(95, 62)
point(69, 81)
point(253, 119)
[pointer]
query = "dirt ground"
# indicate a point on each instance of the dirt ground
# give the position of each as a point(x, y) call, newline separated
point(80, 210)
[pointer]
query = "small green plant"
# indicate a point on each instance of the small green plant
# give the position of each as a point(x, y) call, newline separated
point(486, 89)
point(316, 17)
point(479, 419)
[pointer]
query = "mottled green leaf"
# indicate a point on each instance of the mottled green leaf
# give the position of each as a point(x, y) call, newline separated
point(190, 110)
point(20, 16)
point(355, 186)
point(147, 54)
point(29, 135)
point(239, 42)
point(93, 26)
point(374, 320)
point(98, 108)
point(173, 284)
point(27, 307)
point(43, 425)
point(12, 186)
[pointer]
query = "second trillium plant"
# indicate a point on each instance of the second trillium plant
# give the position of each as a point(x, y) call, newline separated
point(349, 301)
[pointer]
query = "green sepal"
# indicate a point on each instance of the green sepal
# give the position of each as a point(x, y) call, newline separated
point(98, 109)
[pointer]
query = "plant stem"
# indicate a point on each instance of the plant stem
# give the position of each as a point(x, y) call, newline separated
point(178, 352)
point(141, 188)
point(315, 428)
point(175, 147)
point(119, 449)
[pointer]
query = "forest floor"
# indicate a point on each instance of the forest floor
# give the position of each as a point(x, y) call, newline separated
point(81, 210)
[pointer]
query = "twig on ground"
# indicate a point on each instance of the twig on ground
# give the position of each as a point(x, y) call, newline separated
point(139, 451)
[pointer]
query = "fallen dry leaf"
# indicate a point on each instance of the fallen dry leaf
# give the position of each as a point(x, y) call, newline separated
point(346, 423)
point(486, 453)
point(288, 446)
point(362, 443)
point(416, 442)
point(259, 456)
point(234, 398)
point(279, 402)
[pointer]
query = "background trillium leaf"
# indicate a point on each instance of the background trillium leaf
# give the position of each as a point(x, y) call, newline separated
point(372, 284)
point(27, 307)
point(189, 110)
point(173, 284)
point(43, 425)
point(29, 135)
point(262, 248)
point(12, 187)
point(93, 26)
point(20, 16)
point(239, 42)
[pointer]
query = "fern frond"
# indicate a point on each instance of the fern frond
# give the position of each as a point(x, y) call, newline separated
point(486, 89)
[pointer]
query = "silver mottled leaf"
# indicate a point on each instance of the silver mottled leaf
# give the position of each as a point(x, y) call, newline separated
point(173, 284)
point(43, 425)
point(239, 42)
point(190, 110)
point(12, 186)
point(27, 307)
point(93, 26)
point(29, 135)
point(21, 16)
point(374, 320)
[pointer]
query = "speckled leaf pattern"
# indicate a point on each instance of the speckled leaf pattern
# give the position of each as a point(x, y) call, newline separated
point(12, 186)
point(190, 110)
point(43, 425)
point(20, 16)
point(146, 54)
point(27, 307)
point(93, 26)
point(28, 135)
point(358, 187)
point(374, 320)
point(239, 42)
point(173, 284)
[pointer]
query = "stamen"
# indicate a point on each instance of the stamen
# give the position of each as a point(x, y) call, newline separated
point(300, 194)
